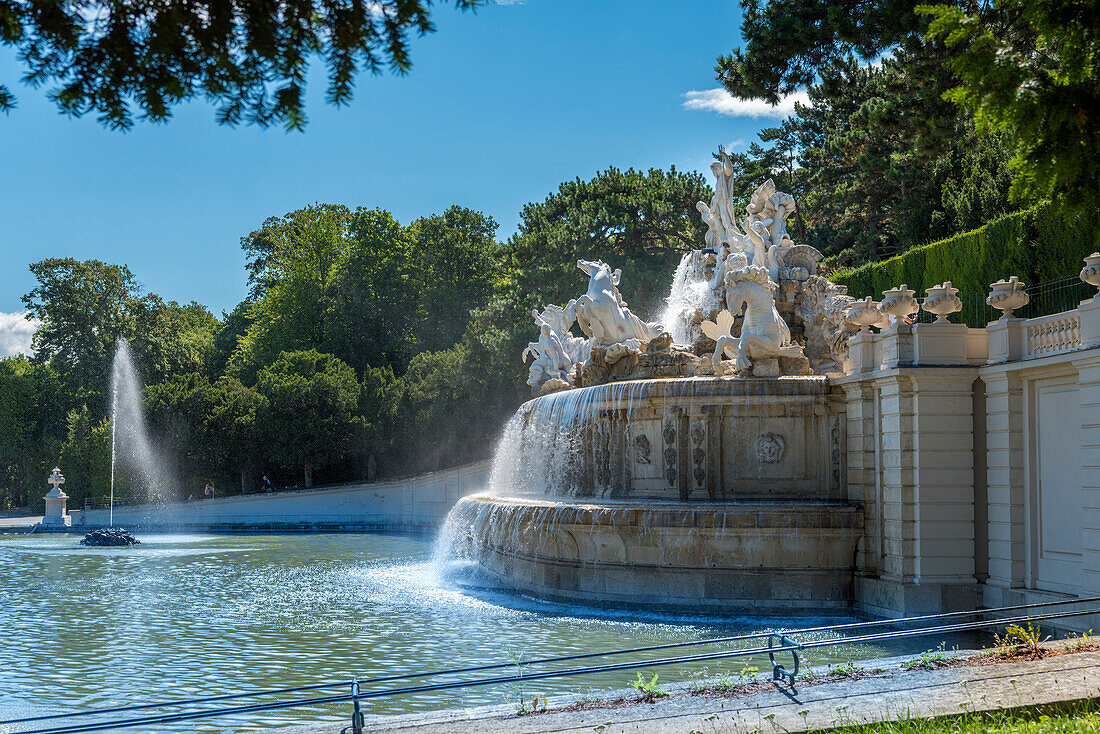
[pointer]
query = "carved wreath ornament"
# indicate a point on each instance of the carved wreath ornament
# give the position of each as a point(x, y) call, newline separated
point(770, 448)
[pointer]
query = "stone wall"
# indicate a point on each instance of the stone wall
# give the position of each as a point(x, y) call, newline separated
point(417, 503)
point(975, 455)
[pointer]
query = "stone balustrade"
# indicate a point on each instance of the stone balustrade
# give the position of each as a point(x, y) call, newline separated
point(947, 344)
point(1054, 334)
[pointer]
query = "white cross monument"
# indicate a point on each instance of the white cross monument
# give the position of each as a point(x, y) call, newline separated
point(55, 502)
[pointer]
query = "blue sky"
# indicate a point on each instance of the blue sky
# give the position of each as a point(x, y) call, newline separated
point(499, 108)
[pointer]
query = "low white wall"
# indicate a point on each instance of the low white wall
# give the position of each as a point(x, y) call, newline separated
point(417, 503)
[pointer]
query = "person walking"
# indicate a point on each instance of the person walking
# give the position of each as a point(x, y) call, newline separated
point(266, 484)
point(208, 491)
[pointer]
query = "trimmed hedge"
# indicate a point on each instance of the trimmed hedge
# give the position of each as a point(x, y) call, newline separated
point(1037, 245)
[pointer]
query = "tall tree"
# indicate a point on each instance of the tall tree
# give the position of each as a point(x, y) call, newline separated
point(231, 440)
point(455, 267)
point(127, 58)
point(173, 339)
point(1038, 86)
point(85, 308)
point(309, 415)
point(373, 302)
point(291, 263)
point(32, 428)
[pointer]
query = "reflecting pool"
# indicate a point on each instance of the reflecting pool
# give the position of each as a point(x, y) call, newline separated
point(192, 615)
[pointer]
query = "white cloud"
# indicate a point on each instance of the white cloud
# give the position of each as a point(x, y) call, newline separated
point(724, 103)
point(15, 333)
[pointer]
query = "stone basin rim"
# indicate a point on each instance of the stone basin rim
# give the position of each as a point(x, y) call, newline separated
point(670, 506)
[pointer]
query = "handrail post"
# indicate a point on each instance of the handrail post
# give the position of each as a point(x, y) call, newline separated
point(357, 714)
point(778, 671)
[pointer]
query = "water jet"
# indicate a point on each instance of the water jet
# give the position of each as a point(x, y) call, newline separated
point(130, 443)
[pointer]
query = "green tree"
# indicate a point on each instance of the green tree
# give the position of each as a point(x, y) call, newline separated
point(378, 399)
point(373, 302)
point(85, 308)
point(336, 280)
point(452, 404)
point(176, 409)
point(171, 339)
point(32, 428)
point(230, 440)
point(787, 43)
point(456, 269)
point(309, 415)
point(1039, 87)
point(118, 59)
point(86, 458)
point(232, 328)
point(291, 263)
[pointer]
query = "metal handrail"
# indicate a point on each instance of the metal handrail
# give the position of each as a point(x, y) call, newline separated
point(786, 645)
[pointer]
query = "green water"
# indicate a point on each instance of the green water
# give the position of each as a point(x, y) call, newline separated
point(189, 615)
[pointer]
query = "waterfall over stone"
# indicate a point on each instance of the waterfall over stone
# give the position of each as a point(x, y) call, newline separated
point(690, 464)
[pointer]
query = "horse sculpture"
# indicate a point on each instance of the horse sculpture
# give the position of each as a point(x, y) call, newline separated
point(764, 333)
point(602, 313)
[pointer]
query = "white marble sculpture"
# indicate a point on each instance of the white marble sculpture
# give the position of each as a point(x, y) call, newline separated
point(55, 501)
point(556, 351)
point(761, 239)
point(602, 313)
point(551, 365)
point(765, 336)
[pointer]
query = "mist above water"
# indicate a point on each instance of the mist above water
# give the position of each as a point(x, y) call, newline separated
point(136, 464)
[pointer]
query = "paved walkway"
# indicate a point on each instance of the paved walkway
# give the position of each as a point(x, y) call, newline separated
point(18, 523)
point(896, 694)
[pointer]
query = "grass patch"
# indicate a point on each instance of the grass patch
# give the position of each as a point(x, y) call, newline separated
point(1065, 718)
point(847, 670)
point(928, 660)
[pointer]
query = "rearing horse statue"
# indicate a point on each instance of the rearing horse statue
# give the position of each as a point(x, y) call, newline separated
point(602, 313)
point(764, 333)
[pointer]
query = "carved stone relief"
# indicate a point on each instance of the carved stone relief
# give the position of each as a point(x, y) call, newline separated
point(770, 447)
point(671, 455)
point(698, 435)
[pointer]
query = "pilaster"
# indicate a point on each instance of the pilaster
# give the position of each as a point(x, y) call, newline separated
point(862, 352)
point(1088, 384)
point(862, 470)
point(1090, 321)
point(1005, 485)
point(943, 475)
point(896, 345)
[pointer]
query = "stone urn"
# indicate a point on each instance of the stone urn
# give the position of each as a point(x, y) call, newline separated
point(899, 302)
point(942, 300)
point(1091, 272)
point(1007, 296)
point(864, 314)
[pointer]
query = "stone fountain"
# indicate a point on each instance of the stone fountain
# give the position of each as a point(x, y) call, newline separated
point(691, 464)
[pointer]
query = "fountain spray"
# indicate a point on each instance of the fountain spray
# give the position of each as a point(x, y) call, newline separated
point(114, 424)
